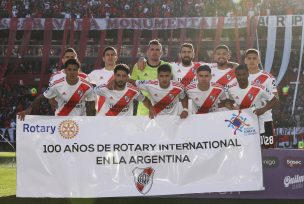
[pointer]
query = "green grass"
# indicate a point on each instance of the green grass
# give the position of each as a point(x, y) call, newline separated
point(7, 180)
point(7, 154)
point(7, 174)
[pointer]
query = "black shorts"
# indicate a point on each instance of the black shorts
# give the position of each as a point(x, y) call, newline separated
point(268, 138)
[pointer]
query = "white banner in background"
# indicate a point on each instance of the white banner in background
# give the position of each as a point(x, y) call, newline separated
point(134, 156)
point(153, 23)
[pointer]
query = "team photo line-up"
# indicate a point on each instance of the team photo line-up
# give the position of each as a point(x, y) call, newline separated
point(155, 87)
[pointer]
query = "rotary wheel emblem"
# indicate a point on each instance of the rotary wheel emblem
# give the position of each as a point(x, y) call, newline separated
point(68, 129)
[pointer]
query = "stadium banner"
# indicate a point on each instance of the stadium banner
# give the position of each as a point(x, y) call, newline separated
point(153, 23)
point(283, 177)
point(135, 156)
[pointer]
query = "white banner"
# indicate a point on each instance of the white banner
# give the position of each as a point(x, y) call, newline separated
point(134, 156)
point(153, 23)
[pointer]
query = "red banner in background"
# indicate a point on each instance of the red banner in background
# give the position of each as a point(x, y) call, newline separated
point(64, 39)
point(219, 31)
point(154, 34)
point(170, 47)
point(252, 24)
point(237, 41)
point(136, 42)
point(102, 38)
point(119, 41)
point(25, 43)
point(183, 35)
point(83, 39)
point(10, 46)
point(72, 29)
point(47, 40)
point(199, 43)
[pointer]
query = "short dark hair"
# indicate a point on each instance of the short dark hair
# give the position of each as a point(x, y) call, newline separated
point(241, 67)
point(203, 68)
point(164, 68)
point(108, 48)
point(188, 45)
point(155, 42)
point(225, 47)
point(72, 61)
point(71, 50)
point(252, 51)
point(122, 67)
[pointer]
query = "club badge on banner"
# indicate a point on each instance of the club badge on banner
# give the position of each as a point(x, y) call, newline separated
point(136, 156)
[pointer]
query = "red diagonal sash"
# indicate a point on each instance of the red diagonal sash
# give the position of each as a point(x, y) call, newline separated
point(187, 79)
point(75, 98)
point(249, 97)
point(226, 78)
point(260, 79)
point(122, 103)
point(214, 94)
point(164, 102)
point(102, 99)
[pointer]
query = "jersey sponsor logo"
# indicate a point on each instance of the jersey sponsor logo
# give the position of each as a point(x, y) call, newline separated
point(80, 93)
point(127, 99)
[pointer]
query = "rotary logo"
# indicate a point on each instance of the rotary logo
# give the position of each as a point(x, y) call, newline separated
point(68, 129)
point(143, 179)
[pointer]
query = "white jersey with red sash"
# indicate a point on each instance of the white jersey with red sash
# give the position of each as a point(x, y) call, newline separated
point(254, 96)
point(99, 77)
point(205, 101)
point(266, 79)
point(59, 74)
point(224, 77)
point(119, 102)
point(71, 98)
point(269, 82)
point(185, 75)
point(164, 101)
